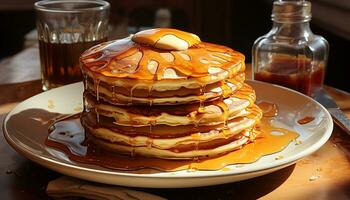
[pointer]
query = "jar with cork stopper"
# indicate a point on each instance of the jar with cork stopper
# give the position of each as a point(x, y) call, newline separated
point(290, 54)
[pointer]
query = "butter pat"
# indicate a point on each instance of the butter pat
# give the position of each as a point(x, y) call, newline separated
point(167, 39)
point(171, 42)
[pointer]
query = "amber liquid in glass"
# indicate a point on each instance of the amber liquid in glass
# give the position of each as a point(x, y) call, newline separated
point(297, 74)
point(60, 62)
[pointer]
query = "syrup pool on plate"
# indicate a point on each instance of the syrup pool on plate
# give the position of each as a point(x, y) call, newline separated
point(67, 135)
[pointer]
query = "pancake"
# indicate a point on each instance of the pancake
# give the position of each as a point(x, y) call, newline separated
point(211, 113)
point(125, 63)
point(169, 154)
point(245, 119)
point(163, 93)
point(124, 96)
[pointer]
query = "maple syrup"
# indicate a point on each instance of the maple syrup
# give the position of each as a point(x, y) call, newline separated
point(305, 120)
point(290, 54)
point(81, 149)
point(60, 62)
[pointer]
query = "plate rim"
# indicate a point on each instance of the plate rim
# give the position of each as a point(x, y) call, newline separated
point(163, 175)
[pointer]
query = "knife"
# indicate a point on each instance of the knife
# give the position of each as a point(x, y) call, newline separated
point(338, 116)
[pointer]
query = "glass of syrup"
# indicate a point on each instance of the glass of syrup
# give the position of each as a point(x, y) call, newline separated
point(290, 54)
point(66, 28)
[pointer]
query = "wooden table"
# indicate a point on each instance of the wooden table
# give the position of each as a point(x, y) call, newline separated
point(322, 175)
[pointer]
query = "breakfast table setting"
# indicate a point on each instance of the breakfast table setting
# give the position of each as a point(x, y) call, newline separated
point(162, 114)
point(324, 174)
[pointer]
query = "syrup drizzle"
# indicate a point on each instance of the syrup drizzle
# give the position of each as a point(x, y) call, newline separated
point(226, 90)
point(149, 143)
point(150, 98)
point(131, 94)
point(201, 99)
point(85, 81)
point(305, 120)
point(113, 93)
point(97, 114)
point(269, 109)
point(97, 89)
point(225, 109)
point(109, 59)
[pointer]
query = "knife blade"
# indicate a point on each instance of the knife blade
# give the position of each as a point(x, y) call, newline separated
point(338, 116)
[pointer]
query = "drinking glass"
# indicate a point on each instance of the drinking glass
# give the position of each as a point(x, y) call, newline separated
point(66, 28)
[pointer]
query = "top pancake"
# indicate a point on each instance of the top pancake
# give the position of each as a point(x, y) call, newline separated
point(161, 60)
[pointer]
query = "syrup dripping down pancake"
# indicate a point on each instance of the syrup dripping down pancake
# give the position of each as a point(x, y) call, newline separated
point(123, 96)
point(164, 93)
point(211, 113)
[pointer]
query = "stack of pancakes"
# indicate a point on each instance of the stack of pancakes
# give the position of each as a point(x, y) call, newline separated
point(164, 93)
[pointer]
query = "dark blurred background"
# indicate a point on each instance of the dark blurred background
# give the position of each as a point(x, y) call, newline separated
point(235, 23)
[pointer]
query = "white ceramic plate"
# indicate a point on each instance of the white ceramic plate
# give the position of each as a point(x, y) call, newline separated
point(29, 141)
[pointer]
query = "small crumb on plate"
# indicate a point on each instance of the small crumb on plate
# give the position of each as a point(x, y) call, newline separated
point(298, 142)
point(278, 157)
point(314, 178)
point(50, 104)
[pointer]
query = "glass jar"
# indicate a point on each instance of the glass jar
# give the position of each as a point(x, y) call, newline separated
point(290, 54)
